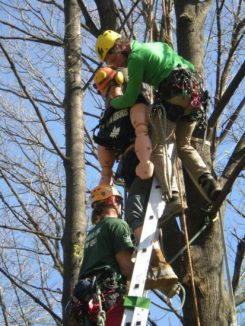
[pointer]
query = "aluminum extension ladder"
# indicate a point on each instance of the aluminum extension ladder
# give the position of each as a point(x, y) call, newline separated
point(136, 304)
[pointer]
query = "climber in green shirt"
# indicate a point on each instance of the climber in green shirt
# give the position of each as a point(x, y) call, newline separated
point(106, 264)
point(149, 57)
point(176, 84)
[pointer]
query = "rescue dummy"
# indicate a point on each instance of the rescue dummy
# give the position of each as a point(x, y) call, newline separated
point(117, 140)
point(175, 82)
point(105, 80)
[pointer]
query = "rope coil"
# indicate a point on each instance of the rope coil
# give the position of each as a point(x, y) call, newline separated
point(161, 135)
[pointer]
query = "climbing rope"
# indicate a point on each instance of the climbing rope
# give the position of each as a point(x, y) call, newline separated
point(181, 303)
point(169, 303)
point(199, 232)
point(165, 137)
point(160, 137)
point(184, 227)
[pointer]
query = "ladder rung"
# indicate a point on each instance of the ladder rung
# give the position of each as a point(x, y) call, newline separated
point(137, 316)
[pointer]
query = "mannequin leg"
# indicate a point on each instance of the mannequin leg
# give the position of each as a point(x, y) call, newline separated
point(143, 146)
point(106, 160)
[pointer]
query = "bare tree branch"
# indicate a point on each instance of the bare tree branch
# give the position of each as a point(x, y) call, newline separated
point(8, 227)
point(49, 2)
point(108, 13)
point(236, 161)
point(226, 97)
point(31, 220)
point(234, 207)
point(31, 37)
point(89, 22)
point(239, 299)
point(3, 307)
point(63, 157)
point(238, 263)
point(129, 14)
point(35, 299)
point(160, 296)
point(219, 6)
point(21, 95)
point(231, 121)
point(233, 168)
point(236, 37)
point(25, 39)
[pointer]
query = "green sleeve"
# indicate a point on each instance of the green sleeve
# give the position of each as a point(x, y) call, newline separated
point(135, 79)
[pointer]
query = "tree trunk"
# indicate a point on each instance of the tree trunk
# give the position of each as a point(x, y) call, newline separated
point(74, 232)
point(191, 16)
point(214, 305)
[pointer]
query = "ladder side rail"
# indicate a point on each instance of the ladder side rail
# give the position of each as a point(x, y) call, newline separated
point(154, 211)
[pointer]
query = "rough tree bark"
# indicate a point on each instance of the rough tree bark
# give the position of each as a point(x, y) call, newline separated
point(207, 250)
point(74, 232)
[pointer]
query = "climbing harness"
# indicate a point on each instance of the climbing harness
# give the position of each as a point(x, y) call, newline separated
point(101, 316)
point(184, 83)
point(181, 81)
point(94, 295)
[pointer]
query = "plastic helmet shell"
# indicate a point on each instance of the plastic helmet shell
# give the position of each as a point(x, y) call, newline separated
point(105, 42)
point(104, 75)
point(103, 192)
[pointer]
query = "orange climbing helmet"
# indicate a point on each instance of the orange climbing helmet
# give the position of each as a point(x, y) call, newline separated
point(104, 75)
point(102, 193)
point(105, 42)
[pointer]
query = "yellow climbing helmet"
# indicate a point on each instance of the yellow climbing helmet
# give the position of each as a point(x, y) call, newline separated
point(103, 192)
point(104, 75)
point(105, 42)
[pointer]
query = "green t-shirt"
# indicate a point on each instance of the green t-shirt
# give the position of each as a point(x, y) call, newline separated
point(150, 63)
point(103, 242)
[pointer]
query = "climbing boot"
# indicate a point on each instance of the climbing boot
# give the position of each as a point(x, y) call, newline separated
point(209, 186)
point(161, 275)
point(172, 209)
